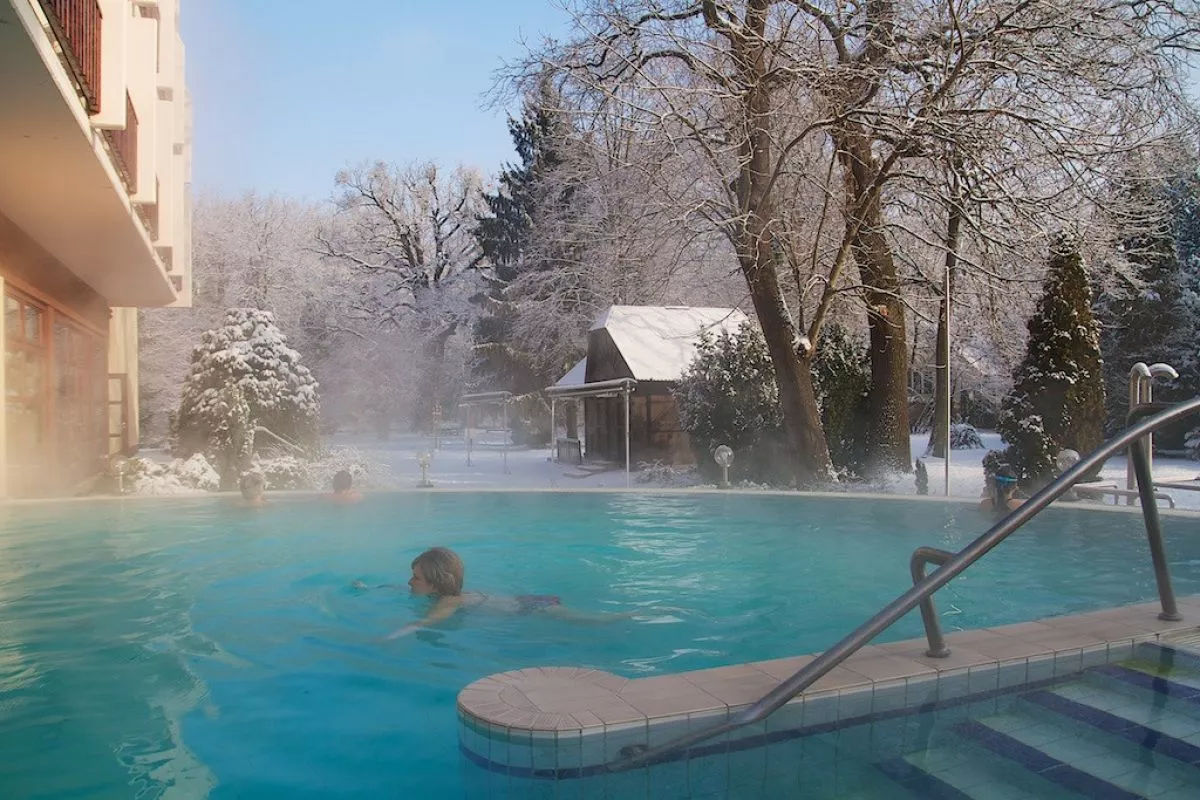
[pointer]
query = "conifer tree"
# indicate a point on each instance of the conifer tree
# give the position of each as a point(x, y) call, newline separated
point(244, 376)
point(1057, 399)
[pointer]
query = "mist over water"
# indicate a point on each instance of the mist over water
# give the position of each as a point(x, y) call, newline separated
point(188, 646)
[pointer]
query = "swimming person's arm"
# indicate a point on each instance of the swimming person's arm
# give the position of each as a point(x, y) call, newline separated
point(443, 609)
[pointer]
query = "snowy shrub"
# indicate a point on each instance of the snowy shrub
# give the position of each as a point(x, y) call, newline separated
point(667, 475)
point(366, 472)
point(197, 473)
point(242, 376)
point(1192, 444)
point(180, 476)
point(1057, 400)
point(283, 472)
point(286, 472)
point(965, 437)
point(728, 396)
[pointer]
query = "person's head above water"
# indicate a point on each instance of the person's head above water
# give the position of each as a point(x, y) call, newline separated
point(343, 482)
point(1006, 482)
point(253, 486)
point(437, 571)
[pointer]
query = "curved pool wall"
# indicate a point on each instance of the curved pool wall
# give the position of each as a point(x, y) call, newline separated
point(185, 646)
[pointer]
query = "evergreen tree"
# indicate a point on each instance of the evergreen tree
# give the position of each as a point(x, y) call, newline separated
point(1057, 399)
point(728, 396)
point(1159, 319)
point(842, 378)
point(504, 238)
point(244, 376)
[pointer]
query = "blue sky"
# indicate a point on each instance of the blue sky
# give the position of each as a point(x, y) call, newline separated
point(287, 92)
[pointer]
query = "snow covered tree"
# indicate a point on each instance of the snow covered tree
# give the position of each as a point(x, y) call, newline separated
point(404, 233)
point(504, 234)
point(1157, 317)
point(842, 376)
point(248, 251)
point(1057, 400)
point(728, 396)
point(243, 376)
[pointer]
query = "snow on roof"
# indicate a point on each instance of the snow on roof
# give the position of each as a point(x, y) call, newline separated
point(575, 376)
point(659, 342)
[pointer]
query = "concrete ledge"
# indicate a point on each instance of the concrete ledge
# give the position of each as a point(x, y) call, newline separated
point(567, 722)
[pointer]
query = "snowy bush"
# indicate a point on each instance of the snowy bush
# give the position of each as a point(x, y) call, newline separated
point(965, 437)
point(286, 472)
point(1192, 444)
point(842, 378)
point(728, 396)
point(283, 472)
point(667, 475)
point(180, 476)
point(1057, 400)
point(242, 376)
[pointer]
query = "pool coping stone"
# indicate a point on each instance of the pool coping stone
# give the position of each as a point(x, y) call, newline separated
point(558, 720)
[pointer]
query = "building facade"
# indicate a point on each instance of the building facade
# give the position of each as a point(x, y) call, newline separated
point(95, 222)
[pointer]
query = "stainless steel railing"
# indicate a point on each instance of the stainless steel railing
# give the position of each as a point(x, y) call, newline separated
point(639, 755)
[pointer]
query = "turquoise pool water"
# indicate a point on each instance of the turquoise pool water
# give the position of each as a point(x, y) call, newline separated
point(183, 648)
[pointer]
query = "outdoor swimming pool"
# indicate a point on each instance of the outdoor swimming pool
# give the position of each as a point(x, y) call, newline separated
point(174, 648)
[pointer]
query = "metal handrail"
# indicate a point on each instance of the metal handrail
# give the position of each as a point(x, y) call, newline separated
point(638, 755)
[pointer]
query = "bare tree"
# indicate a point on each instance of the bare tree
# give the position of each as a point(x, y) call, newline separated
point(1031, 99)
point(405, 232)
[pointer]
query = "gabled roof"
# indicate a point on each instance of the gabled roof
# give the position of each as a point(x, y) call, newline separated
point(575, 377)
point(659, 342)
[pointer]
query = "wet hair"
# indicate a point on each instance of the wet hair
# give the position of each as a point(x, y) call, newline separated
point(252, 485)
point(342, 482)
point(442, 568)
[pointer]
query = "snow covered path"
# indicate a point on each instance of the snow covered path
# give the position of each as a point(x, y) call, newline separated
point(533, 469)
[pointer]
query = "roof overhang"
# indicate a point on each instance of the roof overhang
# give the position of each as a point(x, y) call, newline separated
point(613, 388)
point(57, 179)
point(484, 399)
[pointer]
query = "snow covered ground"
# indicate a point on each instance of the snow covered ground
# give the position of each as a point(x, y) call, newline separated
point(530, 469)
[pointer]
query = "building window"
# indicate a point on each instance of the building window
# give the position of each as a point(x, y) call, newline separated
point(25, 392)
point(56, 379)
point(79, 379)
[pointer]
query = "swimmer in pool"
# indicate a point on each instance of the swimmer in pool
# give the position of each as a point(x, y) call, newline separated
point(254, 490)
point(343, 488)
point(438, 573)
point(1000, 492)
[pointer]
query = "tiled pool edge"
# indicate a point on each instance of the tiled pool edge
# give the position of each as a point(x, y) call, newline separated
point(565, 722)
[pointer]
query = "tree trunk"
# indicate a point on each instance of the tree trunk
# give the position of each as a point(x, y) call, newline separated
point(433, 378)
point(752, 238)
point(801, 415)
point(938, 446)
point(888, 435)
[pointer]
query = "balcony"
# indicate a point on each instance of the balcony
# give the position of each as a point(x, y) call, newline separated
point(124, 146)
point(76, 25)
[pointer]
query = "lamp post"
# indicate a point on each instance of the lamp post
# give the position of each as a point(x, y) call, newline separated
point(423, 461)
point(723, 455)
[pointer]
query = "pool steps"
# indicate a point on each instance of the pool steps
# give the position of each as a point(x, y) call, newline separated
point(564, 722)
point(1115, 732)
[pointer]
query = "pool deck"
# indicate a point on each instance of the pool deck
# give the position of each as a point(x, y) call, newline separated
point(571, 720)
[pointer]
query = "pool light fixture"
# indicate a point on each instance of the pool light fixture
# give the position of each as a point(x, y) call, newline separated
point(423, 460)
point(723, 455)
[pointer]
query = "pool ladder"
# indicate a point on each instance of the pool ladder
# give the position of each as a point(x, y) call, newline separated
point(1152, 416)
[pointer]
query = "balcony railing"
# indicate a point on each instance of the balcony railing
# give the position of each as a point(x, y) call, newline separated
point(76, 25)
point(124, 146)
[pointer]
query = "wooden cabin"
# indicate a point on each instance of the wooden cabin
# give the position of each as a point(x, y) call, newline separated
point(646, 349)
